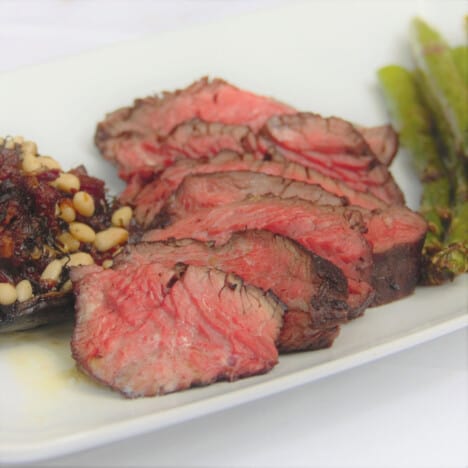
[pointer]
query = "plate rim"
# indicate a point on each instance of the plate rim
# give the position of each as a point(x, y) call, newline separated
point(115, 431)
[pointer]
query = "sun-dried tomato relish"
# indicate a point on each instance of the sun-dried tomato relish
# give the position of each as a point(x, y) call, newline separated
point(30, 223)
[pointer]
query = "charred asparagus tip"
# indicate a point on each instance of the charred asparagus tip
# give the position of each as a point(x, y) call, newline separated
point(453, 259)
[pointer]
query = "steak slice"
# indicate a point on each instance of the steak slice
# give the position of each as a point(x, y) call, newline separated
point(332, 232)
point(382, 140)
point(148, 329)
point(149, 199)
point(304, 282)
point(135, 137)
point(193, 139)
point(197, 138)
point(331, 146)
point(201, 191)
point(397, 235)
point(212, 101)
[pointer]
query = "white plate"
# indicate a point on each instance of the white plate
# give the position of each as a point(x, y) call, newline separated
point(319, 56)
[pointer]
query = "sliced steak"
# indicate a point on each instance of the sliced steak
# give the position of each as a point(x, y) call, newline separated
point(193, 139)
point(306, 283)
point(392, 232)
point(209, 116)
point(148, 194)
point(299, 334)
point(133, 155)
point(382, 140)
point(201, 191)
point(148, 330)
point(196, 138)
point(149, 199)
point(332, 232)
point(396, 235)
point(331, 146)
point(212, 101)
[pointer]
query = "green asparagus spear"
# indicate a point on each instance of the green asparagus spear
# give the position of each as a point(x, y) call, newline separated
point(413, 122)
point(430, 110)
point(453, 257)
point(434, 57)
point(447, 147)
point(460, 58)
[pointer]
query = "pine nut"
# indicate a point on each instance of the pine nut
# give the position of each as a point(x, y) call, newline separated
point(66, 211)
point(24, 290)
point(48, 163)
point(30, 163)
point(19, 140)
point(66, 182)
point(109, 238)
point(82, 232)
point(7, 294)
point(48, 251)
point(36, 253)
point(80, 258)
point(117, 251)
point(29, 147)
point(83, 203)
point(69, 243)
point(52, 271)
point(107, 263)
point(122, 217)
point(67, 286)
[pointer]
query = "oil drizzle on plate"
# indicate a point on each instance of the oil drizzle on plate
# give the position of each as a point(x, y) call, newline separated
point(40, 362)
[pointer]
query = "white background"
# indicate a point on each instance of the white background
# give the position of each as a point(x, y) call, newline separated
point(409, 410)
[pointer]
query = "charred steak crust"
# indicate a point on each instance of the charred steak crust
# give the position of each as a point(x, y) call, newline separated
point(297, 334)
point(397, 272)
point(397, 235)
point(150, 330)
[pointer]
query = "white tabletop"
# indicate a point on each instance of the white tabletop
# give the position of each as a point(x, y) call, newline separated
point(407, 410)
